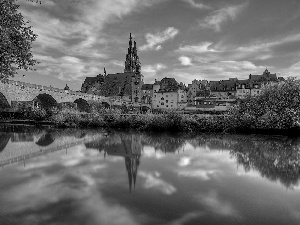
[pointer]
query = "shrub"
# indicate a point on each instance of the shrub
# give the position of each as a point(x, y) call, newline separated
point(277, 107)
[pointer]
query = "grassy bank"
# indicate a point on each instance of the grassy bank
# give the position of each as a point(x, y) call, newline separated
point(171, 121)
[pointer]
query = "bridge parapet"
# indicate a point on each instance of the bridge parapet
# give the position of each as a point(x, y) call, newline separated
point(21, 91)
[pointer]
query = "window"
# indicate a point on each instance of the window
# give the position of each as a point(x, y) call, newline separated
point(205, 103)
point(154, 96)
point(162, 103)
point(157, 105)
point(167, 105)
point(166, 101)
point(162, 98)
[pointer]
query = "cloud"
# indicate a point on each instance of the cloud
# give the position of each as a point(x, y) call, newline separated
point(117, 63)
point(154, 41)
point(184, 60)
point(202, 47)
point(75, 29)
point(197, 5)
point(153, 181)
point(153, 68)
point(215, 70)
point(220, 16)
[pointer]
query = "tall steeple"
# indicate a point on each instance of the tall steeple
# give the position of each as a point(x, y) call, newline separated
point(132, 63)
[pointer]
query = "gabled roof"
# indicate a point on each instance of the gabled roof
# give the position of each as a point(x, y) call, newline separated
point(223, 85)
point(168, 85)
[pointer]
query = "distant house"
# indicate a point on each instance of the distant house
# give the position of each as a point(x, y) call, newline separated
point(147, 93)
point(168, 94)
point(223, 89)
point(194, 88)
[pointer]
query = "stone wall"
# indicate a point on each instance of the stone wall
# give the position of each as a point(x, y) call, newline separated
point(21, 91)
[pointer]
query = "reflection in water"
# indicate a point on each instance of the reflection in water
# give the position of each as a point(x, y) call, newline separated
point(22, 137)
point(45, 140)
point(4, 139)
point(275, 159)
point(127, 146)
point(196, 178)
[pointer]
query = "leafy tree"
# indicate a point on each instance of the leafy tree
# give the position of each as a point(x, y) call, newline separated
point(16, 38)
point(277, 107)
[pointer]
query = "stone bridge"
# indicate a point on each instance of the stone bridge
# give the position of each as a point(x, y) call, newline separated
point(16, 91)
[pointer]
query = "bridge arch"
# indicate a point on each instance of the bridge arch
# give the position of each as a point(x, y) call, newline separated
point(105, 104)
point(4, 104)
point(46, 101)
point(82, 105)
point(145, 108)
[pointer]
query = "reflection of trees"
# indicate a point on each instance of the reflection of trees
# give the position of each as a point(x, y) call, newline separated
point(164, 142)
point(4, 139)
point(22, 137)
point(213, 142)
point(276, 159)
point(45, 140)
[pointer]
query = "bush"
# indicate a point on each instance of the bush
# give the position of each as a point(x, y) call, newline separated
point(277, 107)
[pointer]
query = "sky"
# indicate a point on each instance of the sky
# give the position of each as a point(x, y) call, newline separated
point(183, 39)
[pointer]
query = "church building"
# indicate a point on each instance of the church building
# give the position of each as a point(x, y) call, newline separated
point(126, 86)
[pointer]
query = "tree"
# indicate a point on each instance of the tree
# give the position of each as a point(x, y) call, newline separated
point(277, 107)
point(16, 38)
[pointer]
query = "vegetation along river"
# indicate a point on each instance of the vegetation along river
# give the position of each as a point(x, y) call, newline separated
point(112, 177)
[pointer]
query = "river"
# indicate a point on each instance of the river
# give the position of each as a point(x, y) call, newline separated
point(88, 177)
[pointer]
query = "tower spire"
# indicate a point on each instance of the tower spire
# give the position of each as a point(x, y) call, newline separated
point(132, 63)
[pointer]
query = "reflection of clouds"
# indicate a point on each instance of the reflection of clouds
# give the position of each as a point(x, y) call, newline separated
point(184, 161)
point(150, 152)
point(152, 181)
point(58, 180)
point(102, 212)
point(202, 163)
point(72, 157)
point(201, 174)
point(217, 206)
point(187, 218)
point(251, 173)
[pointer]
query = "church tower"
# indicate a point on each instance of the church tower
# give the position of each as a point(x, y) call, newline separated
point(132, 63)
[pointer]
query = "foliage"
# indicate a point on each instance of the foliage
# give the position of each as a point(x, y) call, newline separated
point(16, 38)
point(277, 107)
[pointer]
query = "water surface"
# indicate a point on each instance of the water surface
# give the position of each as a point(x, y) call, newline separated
point(98, 177)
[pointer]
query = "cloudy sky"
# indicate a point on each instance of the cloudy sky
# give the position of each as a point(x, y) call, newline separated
point(184, 39)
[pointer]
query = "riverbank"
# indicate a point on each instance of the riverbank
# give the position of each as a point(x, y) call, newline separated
point(167, 122)
point(174, 122)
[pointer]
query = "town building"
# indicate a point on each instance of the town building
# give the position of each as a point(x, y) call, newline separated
point(147, 93)
point(223, 89)
point(213, 103)
point(194, 88)
point(168, 94)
